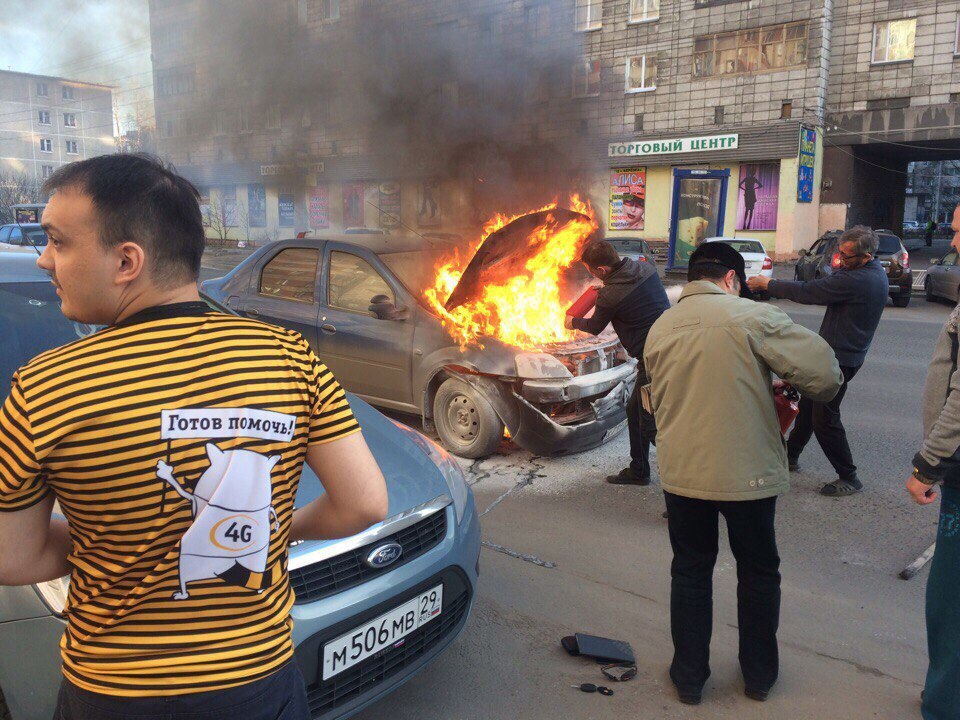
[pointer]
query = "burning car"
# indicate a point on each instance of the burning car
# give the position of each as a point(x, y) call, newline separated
point(471, 339)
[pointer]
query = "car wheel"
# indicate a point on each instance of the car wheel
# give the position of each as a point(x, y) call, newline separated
point(901, 300)
point(928, 290)
point(467, 424)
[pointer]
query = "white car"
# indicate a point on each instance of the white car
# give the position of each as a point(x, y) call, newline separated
point(755, 258)
point(28, 237)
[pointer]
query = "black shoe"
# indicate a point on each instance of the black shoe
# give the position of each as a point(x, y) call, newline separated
point(842, 488)
point(689, 698)
point(628, 477)
point(758, 695)
point(793, 465)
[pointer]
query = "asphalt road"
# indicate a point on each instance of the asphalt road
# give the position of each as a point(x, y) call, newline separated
point(595, 558)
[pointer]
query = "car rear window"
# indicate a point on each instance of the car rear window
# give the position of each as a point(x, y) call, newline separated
point(889, 244)
point(746, 246)
point(628, 246)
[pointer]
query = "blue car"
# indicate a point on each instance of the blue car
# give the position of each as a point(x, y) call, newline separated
point(426, 550)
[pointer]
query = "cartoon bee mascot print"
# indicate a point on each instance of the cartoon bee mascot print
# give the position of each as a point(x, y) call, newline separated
point(232, 521)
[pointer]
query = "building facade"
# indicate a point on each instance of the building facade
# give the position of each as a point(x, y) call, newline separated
point(46, 122)
point(679, 119)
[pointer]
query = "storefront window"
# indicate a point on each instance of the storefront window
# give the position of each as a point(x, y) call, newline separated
point(893, 40)
point(641, 73)
point(749, 51)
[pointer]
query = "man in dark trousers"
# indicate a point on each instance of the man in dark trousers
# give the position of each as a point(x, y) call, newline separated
point(855, 295)
point(632, 298)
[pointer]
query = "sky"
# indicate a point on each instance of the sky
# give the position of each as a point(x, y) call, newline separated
point(102, 41)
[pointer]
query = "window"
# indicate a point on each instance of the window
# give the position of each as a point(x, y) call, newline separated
point(72, 147)
point(641, 73)
point(43, 90)
point(44, 116)
point(354, 283)
point(273, 118)
point(244, 120)
point(291, 275)
point(537, 21)
point(330, 9)
point(893, 40)
point(586, 79)
point(46, 145)
point(69, 120)
point(786, 109)
point(47, 171)
point(220, 122)
point(589, 14)
point(644, 10)
point(67, 92)
point(749, 51)
point(176, 81)
point(718, 115)
point(638, 122)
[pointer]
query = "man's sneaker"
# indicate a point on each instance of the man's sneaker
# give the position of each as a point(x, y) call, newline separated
point(842, 488)
point(758, 695)
point(628, 477)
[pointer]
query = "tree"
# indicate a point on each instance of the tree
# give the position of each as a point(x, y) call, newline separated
point(16, 188)
point(243, 221)
point(220, 222)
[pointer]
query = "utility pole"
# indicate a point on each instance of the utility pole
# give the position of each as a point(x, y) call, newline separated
point(936, 197)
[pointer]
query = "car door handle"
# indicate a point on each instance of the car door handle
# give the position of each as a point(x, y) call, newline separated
point(252, 312)
point(328, 328)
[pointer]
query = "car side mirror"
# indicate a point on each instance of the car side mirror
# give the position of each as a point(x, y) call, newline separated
point(384, 309)
point(803, 252)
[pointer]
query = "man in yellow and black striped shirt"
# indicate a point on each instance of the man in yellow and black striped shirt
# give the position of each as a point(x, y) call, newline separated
point(173, 440)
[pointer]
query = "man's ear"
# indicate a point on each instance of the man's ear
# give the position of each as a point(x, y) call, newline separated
point(131, 262)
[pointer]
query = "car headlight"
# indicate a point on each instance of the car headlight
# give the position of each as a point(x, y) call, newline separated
point(540, 365)
point(54, 593)
point(456, 482)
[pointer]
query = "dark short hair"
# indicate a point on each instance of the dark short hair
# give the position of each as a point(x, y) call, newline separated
point(599, 253)
point(140, 199)
point(707, 271)
point(865, 238)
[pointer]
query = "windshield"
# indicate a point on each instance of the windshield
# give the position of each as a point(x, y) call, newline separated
point(415, 268)
point(746, 246)
point(889, 244)
point(36, 235)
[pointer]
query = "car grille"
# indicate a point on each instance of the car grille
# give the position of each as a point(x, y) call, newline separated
point(340, 689)
point(328, 577)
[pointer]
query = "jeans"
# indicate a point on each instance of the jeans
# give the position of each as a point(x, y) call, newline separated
point(823, 420)
point(280, 696)
point(694, 536)
point(941, 693)
point(643, 431)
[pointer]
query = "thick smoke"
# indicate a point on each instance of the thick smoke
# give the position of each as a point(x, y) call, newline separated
point(479, 91)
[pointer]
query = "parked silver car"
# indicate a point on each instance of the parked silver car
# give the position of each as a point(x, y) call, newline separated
point(943, 278)
point(359, 301)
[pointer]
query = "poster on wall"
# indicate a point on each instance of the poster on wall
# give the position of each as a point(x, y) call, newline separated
point(318, 205)
point(758, 197)
point(628, 194)
point(257, 205)
point(352, 205)
point(428, 203)
point(389, 205)
point(287, 209)
point(699, 209)
point(808, 157)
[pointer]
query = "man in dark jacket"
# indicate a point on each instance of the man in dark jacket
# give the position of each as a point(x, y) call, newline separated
point(632, 299)
point(855, 296)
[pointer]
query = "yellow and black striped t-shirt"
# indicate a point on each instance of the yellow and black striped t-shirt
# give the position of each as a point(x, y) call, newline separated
point(173, 442)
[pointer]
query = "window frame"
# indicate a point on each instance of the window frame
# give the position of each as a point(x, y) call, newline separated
point(330, 10)
point(46, 171)
point(956, 38)
point(728, 47)
point(316, 276)
point(48, 142)
point(46, 89)
point(272, 110)
point(76, 146)
point(327, 284)
point(591, 6)
point(67, 123)
point(66, 93)
point(634, 20)
point(41, 114)
point(582, 65)
point(627, 89)
point(873, 43)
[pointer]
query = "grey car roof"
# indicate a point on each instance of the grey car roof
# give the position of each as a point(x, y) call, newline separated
point(380, 244)
point(20, 267)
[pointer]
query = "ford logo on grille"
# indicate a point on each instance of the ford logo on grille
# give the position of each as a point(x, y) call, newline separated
point(384, 555)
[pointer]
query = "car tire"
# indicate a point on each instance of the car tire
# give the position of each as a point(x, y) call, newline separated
point(466, 422)
point(902, 300)
point(928, 291)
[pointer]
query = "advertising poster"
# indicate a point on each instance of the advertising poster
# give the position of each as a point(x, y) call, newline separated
point(353, 205)
point(628, 193)
point(389, 205)
point(318, 202)
point(808, 156)
point(287, 210)
point(758, 197)
point(698, 216)
point(257, 205)
point(428, 203)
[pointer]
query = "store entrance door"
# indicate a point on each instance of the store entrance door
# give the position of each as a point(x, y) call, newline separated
point(699, 199)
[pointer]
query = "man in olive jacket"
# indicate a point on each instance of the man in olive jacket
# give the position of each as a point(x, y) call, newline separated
point(712, 361)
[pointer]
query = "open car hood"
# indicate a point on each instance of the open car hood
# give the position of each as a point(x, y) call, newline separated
point(506, 252)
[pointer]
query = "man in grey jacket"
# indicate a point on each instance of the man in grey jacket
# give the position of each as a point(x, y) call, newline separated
point(712, 361)
point(939, 462)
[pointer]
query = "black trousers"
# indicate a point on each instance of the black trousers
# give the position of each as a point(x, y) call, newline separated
point(280, 696)
point(643, 431)
point(694, 535)
point(823, 420)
